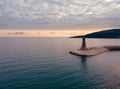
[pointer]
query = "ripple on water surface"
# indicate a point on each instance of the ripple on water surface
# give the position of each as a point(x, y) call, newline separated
point(44, 63)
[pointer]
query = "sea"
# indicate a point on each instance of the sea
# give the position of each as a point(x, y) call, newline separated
point(45, 63)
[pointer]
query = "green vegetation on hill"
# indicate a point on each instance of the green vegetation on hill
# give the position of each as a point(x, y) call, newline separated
point(112, 33)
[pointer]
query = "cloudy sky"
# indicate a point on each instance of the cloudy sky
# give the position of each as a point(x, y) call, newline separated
point(59, 14)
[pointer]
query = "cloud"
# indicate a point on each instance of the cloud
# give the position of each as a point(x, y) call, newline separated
point(58, 13)
point(19, 33)
point(16, 33)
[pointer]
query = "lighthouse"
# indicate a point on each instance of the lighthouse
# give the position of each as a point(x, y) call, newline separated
point(83, 47)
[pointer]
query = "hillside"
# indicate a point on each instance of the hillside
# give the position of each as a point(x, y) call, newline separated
point(111, 33)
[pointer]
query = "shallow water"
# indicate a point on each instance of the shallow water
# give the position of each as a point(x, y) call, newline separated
point(44, 63)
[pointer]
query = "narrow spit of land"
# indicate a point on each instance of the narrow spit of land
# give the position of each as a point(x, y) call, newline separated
point(94, 50)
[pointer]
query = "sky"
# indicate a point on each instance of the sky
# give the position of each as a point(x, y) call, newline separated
point(45, 17)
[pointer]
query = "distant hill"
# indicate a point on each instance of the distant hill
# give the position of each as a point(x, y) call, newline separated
point(111, 33)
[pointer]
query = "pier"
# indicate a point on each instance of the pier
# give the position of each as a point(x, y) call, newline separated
point(84, 51)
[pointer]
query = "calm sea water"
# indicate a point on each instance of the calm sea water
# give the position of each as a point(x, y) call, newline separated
point(44, 63)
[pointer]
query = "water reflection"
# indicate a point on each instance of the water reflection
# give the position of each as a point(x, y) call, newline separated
point(83, 62)
point(83, 59)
